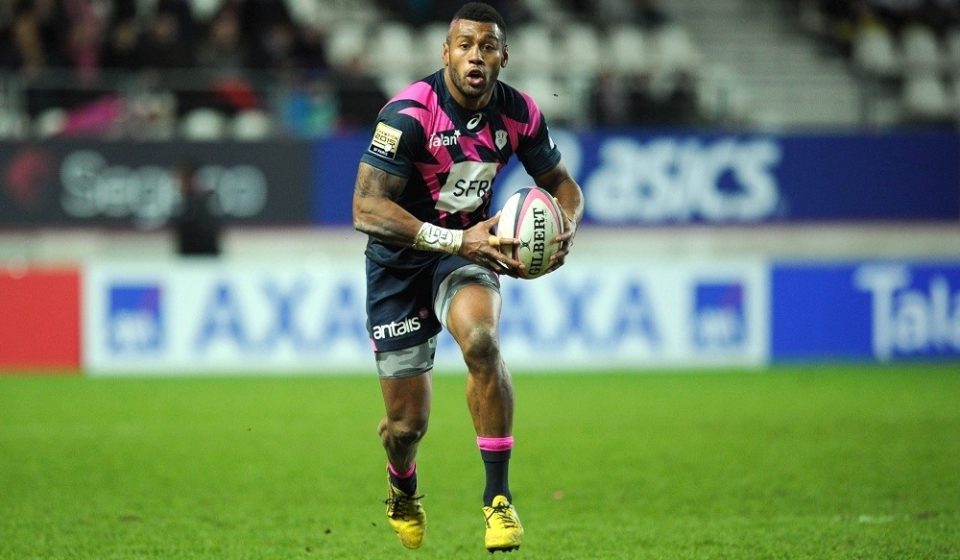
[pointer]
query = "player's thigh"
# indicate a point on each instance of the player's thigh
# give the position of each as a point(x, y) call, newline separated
point(408, 398)
point(400, 321)
point(474, 311)
point(467, 299)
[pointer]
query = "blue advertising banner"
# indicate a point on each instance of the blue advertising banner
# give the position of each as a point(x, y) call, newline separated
point(638, 178)
point(879, 311)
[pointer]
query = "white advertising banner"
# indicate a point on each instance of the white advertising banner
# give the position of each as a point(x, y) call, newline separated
point(200, 317)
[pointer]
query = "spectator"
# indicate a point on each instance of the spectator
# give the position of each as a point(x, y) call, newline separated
point(311, 50)
point(359, 96)
point(34, 39)
point(52, 23)
point(610, 101)
point(196, 225)
point(647, 13)
point(121, 49)
point(84, 44)
point(942, 15)
point(309, 107)
point(415, 12)
point(165, 45)
point(221, 54)
point(275, 47)
point(896, 14)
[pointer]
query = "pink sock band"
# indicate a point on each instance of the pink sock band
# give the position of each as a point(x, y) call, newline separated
point(495, 443)
point(398, 474)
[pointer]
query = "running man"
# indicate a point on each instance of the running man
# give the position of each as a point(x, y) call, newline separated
point(422, 195)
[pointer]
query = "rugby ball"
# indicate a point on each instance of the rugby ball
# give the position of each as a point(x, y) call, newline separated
point(533, 216)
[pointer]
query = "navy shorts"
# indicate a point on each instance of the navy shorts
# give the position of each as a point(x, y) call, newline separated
point(406, 309)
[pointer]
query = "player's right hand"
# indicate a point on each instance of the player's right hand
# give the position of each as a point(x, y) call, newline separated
point(482, 246)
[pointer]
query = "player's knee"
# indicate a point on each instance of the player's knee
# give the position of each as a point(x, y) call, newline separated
point(408, 432)
point(480, 348)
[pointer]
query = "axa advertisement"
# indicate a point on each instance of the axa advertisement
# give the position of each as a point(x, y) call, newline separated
point(203, 317)
point(200, 317)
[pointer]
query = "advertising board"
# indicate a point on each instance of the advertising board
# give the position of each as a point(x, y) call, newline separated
point(865, 311)
point(39, 319)
point(195, 317)
point(133, 184)
point(643, 178)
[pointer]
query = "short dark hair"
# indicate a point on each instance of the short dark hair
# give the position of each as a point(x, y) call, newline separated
point(480, 11)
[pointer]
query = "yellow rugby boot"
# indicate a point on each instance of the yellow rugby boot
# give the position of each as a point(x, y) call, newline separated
point(406, 516)
point(504, 531)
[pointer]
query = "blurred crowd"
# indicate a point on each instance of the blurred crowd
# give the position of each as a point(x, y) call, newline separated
point(843, 18)
point(70, 53)
point(150, 62)
point(905, 53)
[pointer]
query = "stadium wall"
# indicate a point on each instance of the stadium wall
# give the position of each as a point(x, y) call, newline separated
point(715, 250)
point(209, 317)
point(631, 178)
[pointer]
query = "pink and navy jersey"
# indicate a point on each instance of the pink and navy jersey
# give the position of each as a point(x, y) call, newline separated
point(450, 155)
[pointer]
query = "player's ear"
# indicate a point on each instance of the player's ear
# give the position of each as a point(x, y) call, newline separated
point(506, 55)
point(445, 53)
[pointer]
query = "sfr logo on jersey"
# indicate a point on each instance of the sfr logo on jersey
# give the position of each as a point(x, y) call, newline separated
point(396, 328)
point(467, 186)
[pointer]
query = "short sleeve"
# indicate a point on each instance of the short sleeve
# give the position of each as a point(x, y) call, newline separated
point(537, 151)
point(396, 138)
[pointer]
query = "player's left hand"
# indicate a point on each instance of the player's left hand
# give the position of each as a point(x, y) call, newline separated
point(565, 240)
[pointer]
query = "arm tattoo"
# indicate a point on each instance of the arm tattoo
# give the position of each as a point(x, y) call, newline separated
point(373, 182)
point(375, 211)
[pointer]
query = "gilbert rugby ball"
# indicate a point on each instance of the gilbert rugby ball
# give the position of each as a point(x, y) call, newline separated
point(531, 215)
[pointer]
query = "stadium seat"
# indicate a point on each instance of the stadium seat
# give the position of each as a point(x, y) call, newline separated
point(251, 125)
point(392, 50)
point(203, 125)
point(672, 50)
point(532, 49)
point(50, 122)
point(954, 92)
point(12, 125)
point(721, 96)
point(555, 100)
point(875, 53)
point(925, 98)
point(345, 41)
point(430, 45)
point(582, 48)
point(627, 48)
point(920, 49)
point(952, 48)
point(203, 10)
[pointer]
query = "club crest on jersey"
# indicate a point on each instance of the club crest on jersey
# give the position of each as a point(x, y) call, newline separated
point(500, 138)
point(438, 139)
point(386, 140)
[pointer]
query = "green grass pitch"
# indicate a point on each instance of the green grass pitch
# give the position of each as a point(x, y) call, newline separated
point(806, 462)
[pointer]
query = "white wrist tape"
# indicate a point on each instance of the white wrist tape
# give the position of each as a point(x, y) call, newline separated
point(436, 238)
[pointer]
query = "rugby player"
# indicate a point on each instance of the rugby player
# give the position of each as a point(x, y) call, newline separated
point(423, 195)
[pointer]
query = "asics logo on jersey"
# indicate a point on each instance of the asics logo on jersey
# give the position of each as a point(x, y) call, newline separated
point(396, 328)
point(474, 121)
point(438, 139)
